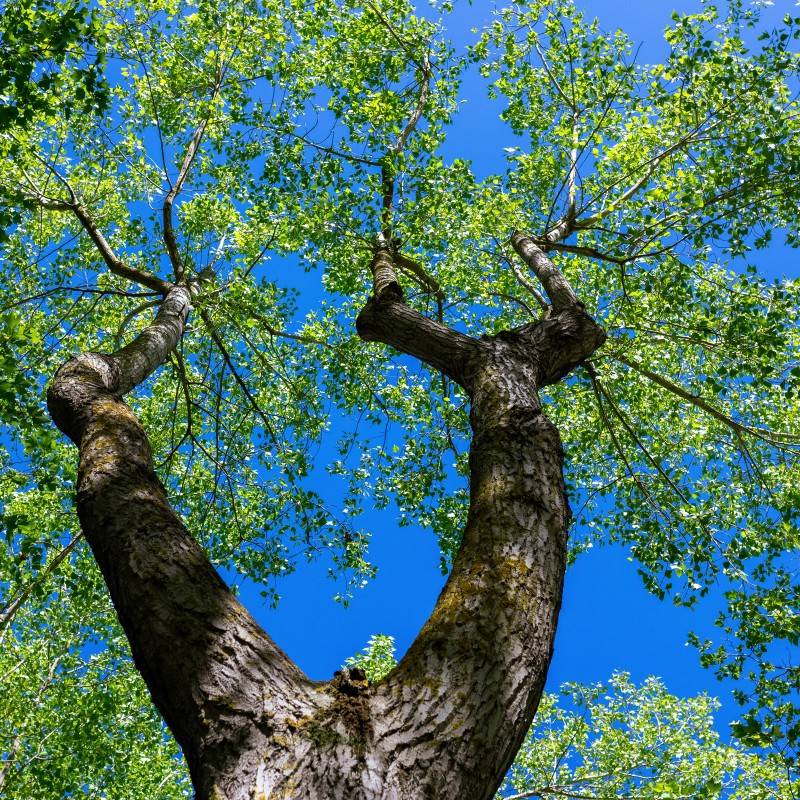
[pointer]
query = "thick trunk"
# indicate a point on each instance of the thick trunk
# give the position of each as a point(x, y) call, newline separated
point(220, 682)
point(447, 721)
point(454, 711)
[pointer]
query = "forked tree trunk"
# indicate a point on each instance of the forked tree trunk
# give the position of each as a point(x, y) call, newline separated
point(447, 721)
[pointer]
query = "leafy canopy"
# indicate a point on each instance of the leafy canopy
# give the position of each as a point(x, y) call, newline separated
point(244, 142)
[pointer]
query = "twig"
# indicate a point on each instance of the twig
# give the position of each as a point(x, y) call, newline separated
point(10, 612)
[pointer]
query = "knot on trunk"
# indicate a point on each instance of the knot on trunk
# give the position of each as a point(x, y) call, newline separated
point(351, 682)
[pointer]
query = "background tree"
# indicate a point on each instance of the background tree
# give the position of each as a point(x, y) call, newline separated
point(250, 129)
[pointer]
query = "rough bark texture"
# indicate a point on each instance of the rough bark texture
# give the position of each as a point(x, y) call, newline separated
point(446, 723)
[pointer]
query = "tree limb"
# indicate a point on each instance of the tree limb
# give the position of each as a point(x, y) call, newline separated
point(11, 610)
point(771, 437)
point(188, 159)
point(555, 284)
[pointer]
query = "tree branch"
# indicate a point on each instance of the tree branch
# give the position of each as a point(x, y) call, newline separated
point(242, 385)
point(599, 394)
point(387, 171)
point(768, 436)
point(555, 284)
point(112, 262)
point(73, 205)
point(128, 319)
point(11, 610)
point(416, 115)
point(649, 169)
point(386, 318)
point(188, 159)
point(523, 281)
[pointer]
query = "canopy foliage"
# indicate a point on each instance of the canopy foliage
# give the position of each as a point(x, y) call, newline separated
point(250, 145)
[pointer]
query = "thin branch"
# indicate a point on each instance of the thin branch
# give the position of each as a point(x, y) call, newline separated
point(417, 270)
point(39, 197)
point(155, 115)
point(242, 385)
point(11, 753)
point(638, 442)
point(188, 159)
point(176, 360)
point(589, 252)
point(596, 388)
point(768, 436)
point(573, 172)
point(112, 262)
point(69, 290)
point(10, 612)
point(405, 46)
point(332, 151)
point(417, 113)
point(387, 170)
point(650, 167)
point(127, 320)
point(272, 331)
point(512, 299)
point(556, 85)
point(548, 791)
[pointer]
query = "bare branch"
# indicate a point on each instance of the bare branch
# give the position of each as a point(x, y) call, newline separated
point(387, 170)
point(638, 442)
point(556, 85)
point(112, 262)
point(419, 272)
point(417, 113)
point(589, 252)
point(272, 331)
point(555, 284)
point(405, 46)
point(127, 320)
point(599, 394)
point(332, 151)
point(650, 167)
point(212, 329)
point(188, 159)
point(522, 280)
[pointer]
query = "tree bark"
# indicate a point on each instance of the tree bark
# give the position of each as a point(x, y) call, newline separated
point(448, 720)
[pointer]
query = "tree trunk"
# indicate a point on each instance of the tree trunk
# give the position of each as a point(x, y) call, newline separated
point(447, 721)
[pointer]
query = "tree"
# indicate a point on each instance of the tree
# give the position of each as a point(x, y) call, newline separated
point(594, 272)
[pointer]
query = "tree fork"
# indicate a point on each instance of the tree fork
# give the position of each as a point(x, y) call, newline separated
point(447, 721)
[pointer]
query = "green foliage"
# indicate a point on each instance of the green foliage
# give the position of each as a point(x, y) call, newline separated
point(623, 740)
point(376, 659)
point(680, 436)
point(76, 719)
point(41, 43)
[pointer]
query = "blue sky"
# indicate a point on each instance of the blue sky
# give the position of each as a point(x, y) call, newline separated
point(608, 621)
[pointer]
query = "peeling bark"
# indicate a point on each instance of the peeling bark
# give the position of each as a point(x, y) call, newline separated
point(447, 721)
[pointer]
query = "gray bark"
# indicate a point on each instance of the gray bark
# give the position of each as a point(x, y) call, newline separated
point(447, 721)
